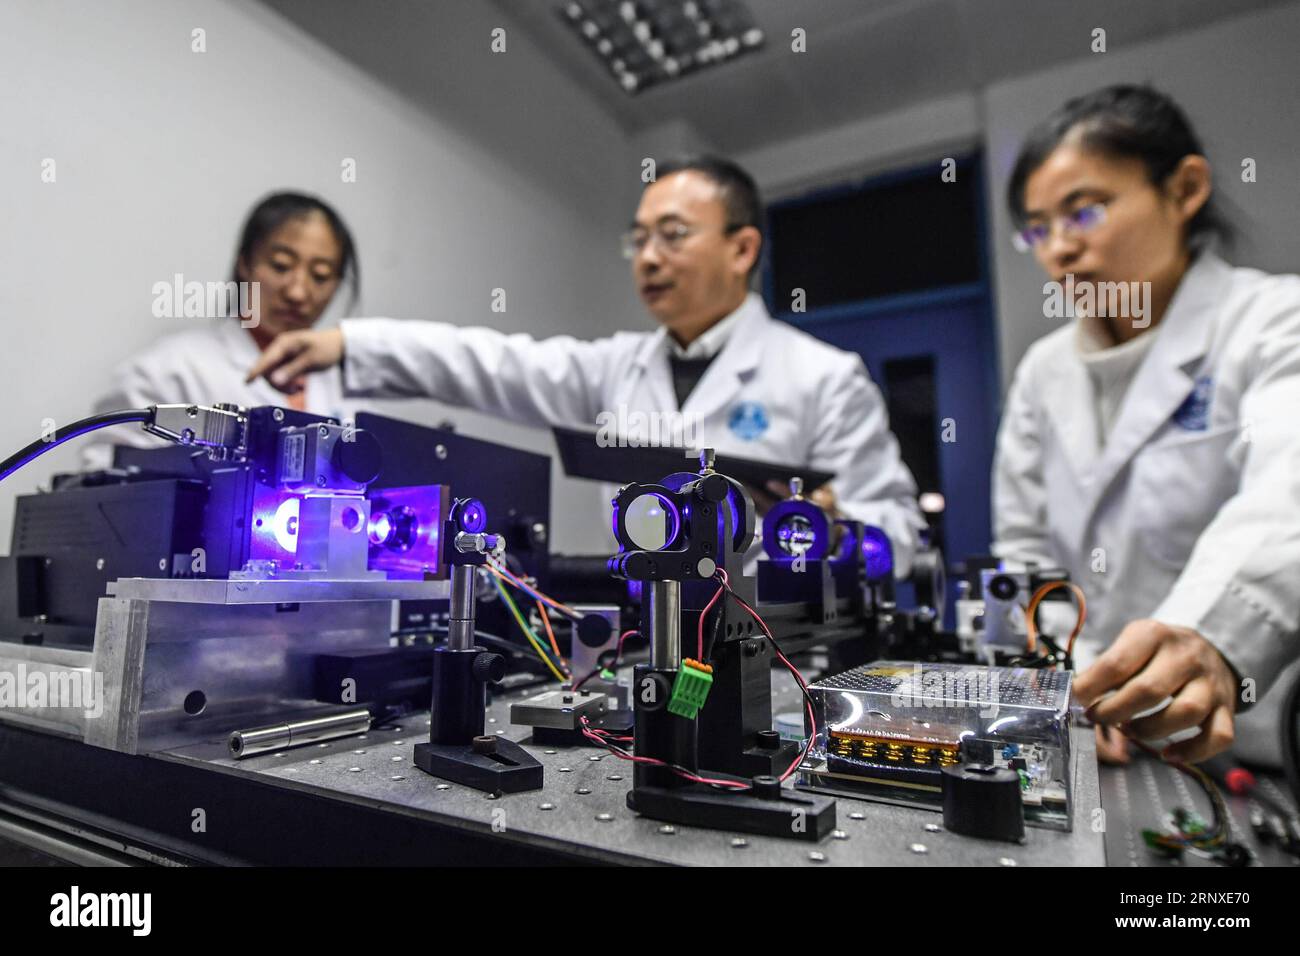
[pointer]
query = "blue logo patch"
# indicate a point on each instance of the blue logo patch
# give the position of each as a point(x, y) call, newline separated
point(748, 420)
point(1194, 414)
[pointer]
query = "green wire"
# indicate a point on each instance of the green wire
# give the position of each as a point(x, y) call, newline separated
point(523, 624)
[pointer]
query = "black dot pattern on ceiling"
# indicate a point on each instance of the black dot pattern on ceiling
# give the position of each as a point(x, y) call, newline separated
point(645, 43)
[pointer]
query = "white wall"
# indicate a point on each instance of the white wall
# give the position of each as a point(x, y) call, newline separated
point(160, 152)
point(1237, 79)
point(1239, 83)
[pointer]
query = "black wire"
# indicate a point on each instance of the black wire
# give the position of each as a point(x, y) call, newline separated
point(742, 785)
point(776, 649)
point(85, 425)
point(611, 665)
point(718, 614)
point(1054, 657)
point(1063, 657)
point(600, 666)
point(521, 656)
point(1208, 787)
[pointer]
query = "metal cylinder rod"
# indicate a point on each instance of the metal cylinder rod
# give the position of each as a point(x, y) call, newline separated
point(664, 610)
point(258, 740)
point(460, 622)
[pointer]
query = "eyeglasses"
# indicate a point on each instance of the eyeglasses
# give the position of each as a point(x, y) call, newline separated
point(1072, 223)
point(670, 236)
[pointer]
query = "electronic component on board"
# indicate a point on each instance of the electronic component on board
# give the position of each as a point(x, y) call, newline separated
point(891, 729)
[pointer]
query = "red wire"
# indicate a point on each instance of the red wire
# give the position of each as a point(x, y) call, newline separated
point(603, 738)
point(618, 656)
point(607, 735)
point(699, 655)
point(655, 762)
point(812, 717)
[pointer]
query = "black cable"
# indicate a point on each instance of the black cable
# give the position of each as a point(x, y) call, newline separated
point(612, 665)
point(1054, 656)
point(776, 650)
point(520, 655)
point(82, 427)
point(1217, 840)
point(742, 786)
point(718, 614)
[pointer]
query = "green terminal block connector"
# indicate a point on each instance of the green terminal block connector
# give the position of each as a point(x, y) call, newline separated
point(690, 689)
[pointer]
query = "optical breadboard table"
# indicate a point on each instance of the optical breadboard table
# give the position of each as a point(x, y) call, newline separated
point(361, 800)
point(1142, 795)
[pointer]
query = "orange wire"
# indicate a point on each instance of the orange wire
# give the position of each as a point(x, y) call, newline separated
point(505, 575)
point(546, 620)
point(1031, 626)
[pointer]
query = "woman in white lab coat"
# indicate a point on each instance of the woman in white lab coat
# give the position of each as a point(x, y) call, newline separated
point(298, 251)
point(1150, 447)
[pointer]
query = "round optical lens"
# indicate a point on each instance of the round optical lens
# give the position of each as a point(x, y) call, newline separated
point(795, 535)
point(285, 524)
point(650, 522)
point(473, 517)
point(1003, 587)
point(877, 554)
point(381, 528)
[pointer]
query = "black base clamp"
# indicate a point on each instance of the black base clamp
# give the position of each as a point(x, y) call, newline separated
point(488, 763)
point(768, 809)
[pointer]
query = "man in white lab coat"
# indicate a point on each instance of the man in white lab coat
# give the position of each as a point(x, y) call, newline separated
point(753, 386)
point(1154, 451)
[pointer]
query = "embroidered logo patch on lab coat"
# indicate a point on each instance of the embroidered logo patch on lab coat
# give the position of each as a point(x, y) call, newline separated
point(1194, 414)
point(748, 420)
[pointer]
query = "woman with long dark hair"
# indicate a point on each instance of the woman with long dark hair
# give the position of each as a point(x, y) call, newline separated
point(1150, 447)
point(293, 255)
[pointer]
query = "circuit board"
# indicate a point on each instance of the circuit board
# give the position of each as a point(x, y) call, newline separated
point(887, 730)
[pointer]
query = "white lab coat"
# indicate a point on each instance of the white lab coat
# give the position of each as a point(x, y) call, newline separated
point(772, 393)
point(203, 365)
point(1190, 512)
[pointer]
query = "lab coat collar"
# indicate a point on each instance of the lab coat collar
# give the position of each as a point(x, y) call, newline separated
point(1072, 415)
point(739, 356)
point(710, 343)
point(1167, 375)
point(657, 343)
